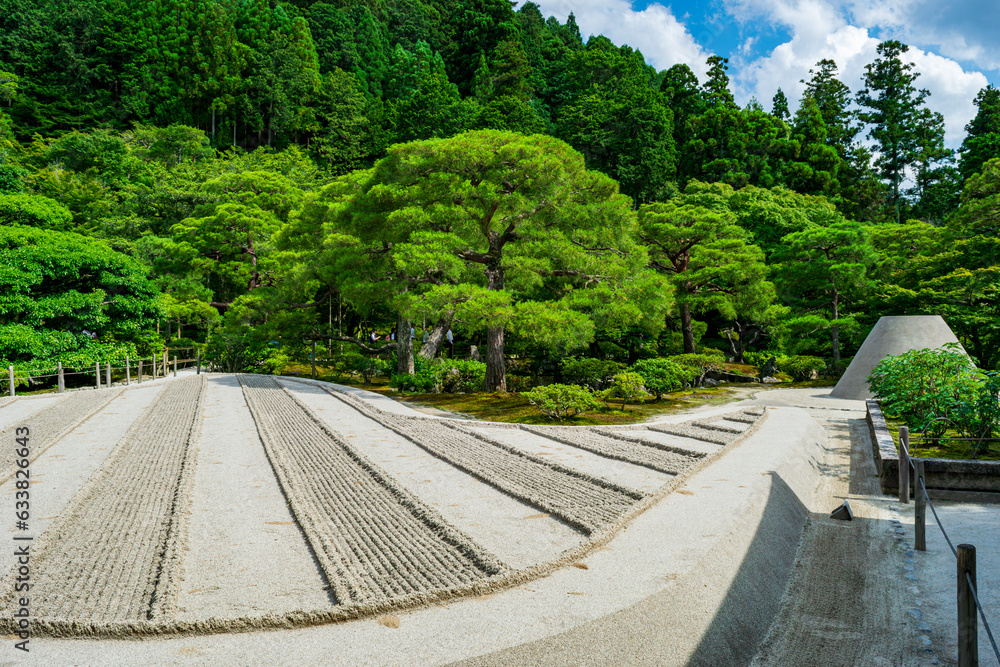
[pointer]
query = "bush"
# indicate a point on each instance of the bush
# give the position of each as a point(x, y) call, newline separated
point(661, 375)
point(801, 367)
point(559, 401)
point(594, 373)
point(696, 366)
point(921, 385)
point(447, 375)
point(234, 351)
point(980, 417)
point(355, 363)
point(459, 375)
point(627, 387)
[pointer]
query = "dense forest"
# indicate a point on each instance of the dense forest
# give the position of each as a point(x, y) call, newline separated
point(255, 176)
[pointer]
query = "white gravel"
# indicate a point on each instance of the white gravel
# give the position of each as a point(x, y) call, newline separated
point(514, 531)
point(246, 554)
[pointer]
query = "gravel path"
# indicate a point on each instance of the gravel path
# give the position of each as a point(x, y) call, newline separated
point(53, 422)
point(616, 446)
point(114, 556)
point(372, 538)
point(583, 501)
point(247, 555)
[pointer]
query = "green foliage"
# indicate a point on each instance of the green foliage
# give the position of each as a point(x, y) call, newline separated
point(34, 211)
point(977, 416)
point(63, 294)
point(561, 401)
point(626, 387)
point(894, 109)
point(695, 242)
point(801, 367)
point(920, 386)
point(238, 348)
point(593, 373)
point(661, 375)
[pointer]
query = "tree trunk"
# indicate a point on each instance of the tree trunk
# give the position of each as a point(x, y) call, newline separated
point(687, 329)
point(404, 347)
point(835, 331)
point(496, 368)
point(430, 349)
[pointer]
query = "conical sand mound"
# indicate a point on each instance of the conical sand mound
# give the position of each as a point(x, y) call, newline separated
point(891, 335)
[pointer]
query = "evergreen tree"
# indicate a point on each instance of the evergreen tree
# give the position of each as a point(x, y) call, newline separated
point(618, 120)
point(716, 86)
point(779, 106)
point(812, 164)
point(982, 140)
point(894, 106)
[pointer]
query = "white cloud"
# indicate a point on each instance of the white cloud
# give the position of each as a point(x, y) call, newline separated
point(663, 40)
point(821, 30)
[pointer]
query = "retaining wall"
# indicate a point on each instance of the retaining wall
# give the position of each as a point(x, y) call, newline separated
point(944, 476)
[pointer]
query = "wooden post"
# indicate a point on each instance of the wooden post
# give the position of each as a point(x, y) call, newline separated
point(164, 374)
point(61, 379)
point(175, 365)
point(107, 376)
point(920, 507)
point(139, 376)
point(154, 365)
point(97, 374)
point(314, 360)
point(904, 464)
point(198, 354)
point(968, 621)
point(128, 371)
point(10, 371)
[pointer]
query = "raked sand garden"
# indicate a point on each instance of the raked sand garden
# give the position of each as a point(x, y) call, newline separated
point(249, 519)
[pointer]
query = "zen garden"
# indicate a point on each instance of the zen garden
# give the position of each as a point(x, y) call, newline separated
point(427, 304)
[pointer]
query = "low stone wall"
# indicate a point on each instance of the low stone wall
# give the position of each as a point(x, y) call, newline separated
point(942, 475)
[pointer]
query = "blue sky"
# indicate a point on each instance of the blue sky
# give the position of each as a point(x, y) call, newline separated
point(772, 43)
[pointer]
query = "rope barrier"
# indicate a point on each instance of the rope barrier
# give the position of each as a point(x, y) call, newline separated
point(954, 551)
point(982, 615)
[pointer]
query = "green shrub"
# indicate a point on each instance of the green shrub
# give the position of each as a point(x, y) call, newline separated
point(626, 387)
point(458, 375)
point(980, 417)
point(447, 375)
point(661, 375)
point(696, 366)
point(232, 350)
point(559, 401)
point(594, 373)
point(921, 385)
point(355, 363)
point(801, 367)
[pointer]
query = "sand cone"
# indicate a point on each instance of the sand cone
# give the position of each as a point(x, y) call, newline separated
point(891, 335)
